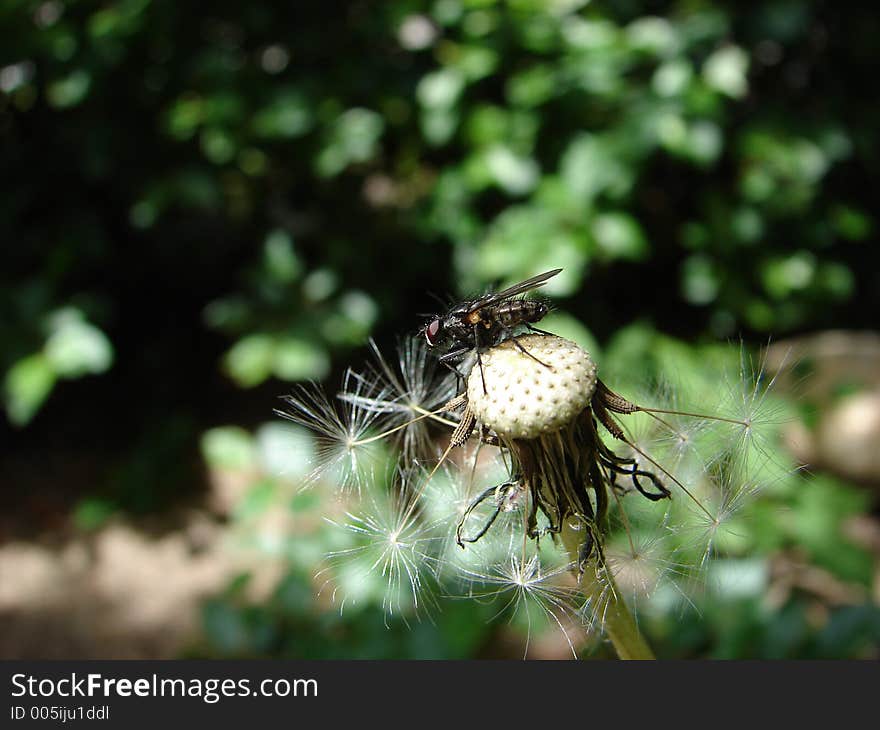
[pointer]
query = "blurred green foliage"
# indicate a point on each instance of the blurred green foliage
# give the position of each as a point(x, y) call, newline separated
point(711, 158)
point(253, 189)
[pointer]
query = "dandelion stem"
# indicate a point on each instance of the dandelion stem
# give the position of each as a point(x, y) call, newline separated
point(617, 620)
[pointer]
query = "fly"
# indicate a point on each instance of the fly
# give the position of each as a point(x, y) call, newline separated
point(477, 324)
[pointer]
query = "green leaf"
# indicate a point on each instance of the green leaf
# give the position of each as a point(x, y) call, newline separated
point(287, 116)
point(298, 359)
point(725, 71)
point(27, 384)
point(251, 360)
point(851, 223)
point(75, 347)
point(590, 166)
point(782, 276)
point(281, 260)
point(700, 280)
point(513, 173)
point(441, 89)
point(228, 447)
point(258, 498)
point(92, 513)
point(218, 145)
point(225, 626)
point(619, 236)
point(354, 138)
point(532, 87)
point(69, 90)
point(285, 450)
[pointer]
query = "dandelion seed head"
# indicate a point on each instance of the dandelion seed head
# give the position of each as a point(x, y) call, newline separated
point(400, 540)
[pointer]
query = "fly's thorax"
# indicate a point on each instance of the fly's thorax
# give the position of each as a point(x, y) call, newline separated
point(459, 334)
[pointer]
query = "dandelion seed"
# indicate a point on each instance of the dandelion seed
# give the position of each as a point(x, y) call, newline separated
point(751, 408)
point(525, 586)
point(731, 487)
point(679, 437)
point(641, 562)
point(344, 448)
point(405, 396)
point(392, 556)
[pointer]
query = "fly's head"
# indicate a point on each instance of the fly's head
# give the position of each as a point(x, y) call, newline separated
point(434, 331)
point(449, 331)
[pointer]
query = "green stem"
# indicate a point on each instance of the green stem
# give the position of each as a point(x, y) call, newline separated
point(617, 620)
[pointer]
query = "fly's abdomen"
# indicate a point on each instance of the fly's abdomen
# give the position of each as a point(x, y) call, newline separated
point(520, 311)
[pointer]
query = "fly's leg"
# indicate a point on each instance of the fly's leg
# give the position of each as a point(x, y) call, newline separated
point(490, 492)
point(508, 334)
point(451, 356)
point(460, 541)
point(479, 358)
point(526, 352)
point(489, 439)
point(585, 551)
point(591, 547)
point(531, 328)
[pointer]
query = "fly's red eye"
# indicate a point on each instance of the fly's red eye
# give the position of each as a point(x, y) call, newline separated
point(431, 332)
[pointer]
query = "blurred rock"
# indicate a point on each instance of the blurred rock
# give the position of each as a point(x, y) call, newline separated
point(848, 437)
point(835, 376)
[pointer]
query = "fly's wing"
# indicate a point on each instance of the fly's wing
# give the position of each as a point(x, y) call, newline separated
point(512, 291)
